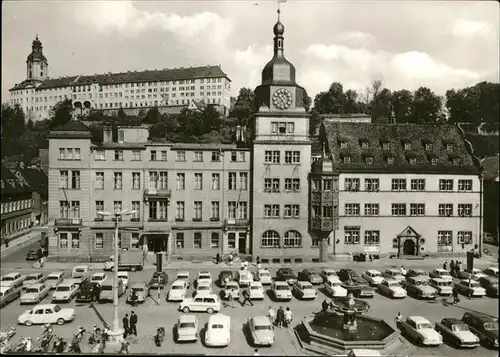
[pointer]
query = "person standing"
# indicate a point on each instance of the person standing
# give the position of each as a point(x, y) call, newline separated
point(445, 265)
point(125, 326)
point(452, 267)
point(280, 316)
point(272, 315)
point(288, 317)
point(217, 258)
point(133, 323)
point(324, 306)
point(456, 299)
point(399, 318)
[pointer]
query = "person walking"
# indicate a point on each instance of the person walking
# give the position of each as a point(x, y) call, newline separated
point(217, 258)
point(42, 259)
point(280, 317)
point(288, 317)
point(272, 315)
point(445, 265)
point(246, 297)
point(324, 306)
point(230, 299)
point(125, 325)
point(452, 267)
point(133, 323)
point(399, 319)
point(456, 299)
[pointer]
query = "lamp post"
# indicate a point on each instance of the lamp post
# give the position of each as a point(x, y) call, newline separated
point(116, 334)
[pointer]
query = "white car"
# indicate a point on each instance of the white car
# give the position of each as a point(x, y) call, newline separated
point(261, 330)
point(420, 330)
point(204, 276)
point(264, 276)
point(34, 278)
point(392, 288)
point(98, 278)
point(203, 288)
point(326, 273)
point(443, 286)
point(184, 275)
point(441, 273)
point(206, 303)
point(218, 332)
point(54, 279)
point(374, 277)
point(281, 290)
point(475, 274)
point(123, 275)
point(232, 288)
point(65, 292)
point(178, 290)
point(48, 313)
point(256, 290)
point(304, 290)
point(393, 274)
point(470, 288)
point(12, 280)
point(333, 287)
point(34, 293)
point(186, 328)
point(245, 278)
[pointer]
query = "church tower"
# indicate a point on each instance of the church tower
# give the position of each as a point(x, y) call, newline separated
point(37, 67)
point(281, 161)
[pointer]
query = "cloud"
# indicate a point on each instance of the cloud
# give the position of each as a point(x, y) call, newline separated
point(470, 29)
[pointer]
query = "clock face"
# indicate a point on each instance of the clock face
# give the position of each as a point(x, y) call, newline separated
point(282, 99)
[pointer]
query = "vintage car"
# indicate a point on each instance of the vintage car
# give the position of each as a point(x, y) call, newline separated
point(88, 292)
point(264, 276)
point(420, 330)
point(141, 291)
point(124, 277)
point(54, 279)
point(443, 286)
point(281, 290)
point(202, 303)
point(33, 278)
point(355, 284)
point(261, 330)
point(65, 291)
point(483, 327)
point(232, 288)
point(490, 284)
point(491, 271)
point(159, 280)
point(471, 288)
point(286, 274)
point(333, 287)
point(441, 273)
point(186, 328)
point(311, 276)
point(392, 288)
point(14, 280)
point(34, 293)
point(218, 332)
point(393, 273)
point(99, 278)
point(419, 287)
point(48, 313)
point(457, 333)
point(373, 277)
point(304, 290)
point(473, 274)
point(325, 273)
point(8, 294)
point(204, 276)
point(184, 275)
point(226, 276)
point(203, 288)
point(244, 277)
point(178, 290)
point(82, 273)
point(417, 272)
point(33, 254)
point(256, 290)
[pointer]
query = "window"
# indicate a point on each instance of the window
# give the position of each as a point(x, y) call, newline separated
point(275, 185)
point(75, 180)
point(179, 240)
point(75, 209)
point(464, 210)
point(198, 181)
point(63, 179)
point(412, 160)
point(215, 181)
point(445, 209)
point(372, 237)
point(75, 240)
point(316, 185)
point(275, 211)
point(181, 181)
point(445, 237)
point(242, 210)
point(398, 185)
point(371, 209)
point(231, 240)
point(136, 180)
point(99, 241)
point(351, 235)
point(398, 209)
point(197, 211)
point(365, 145)
point(372, 184)
point(352, 209)
point(293, 239)
point(417, 209)
point(407, 146)
point(241, 155)
point(390, 160)
point(198, 156)
point(63, 240)
point(214, 240)
point(267, 185)
point(268, 157)
point(291, 211)
point(99, 207)
point(270, 239)
point(464, 237)
point(347, 159)
point(117, 206)
point(275, 157)
point(445, 185)
point(153, 156)
point(63, 209)
point(327, 185)
point(117, 180)
point(136, 155)
point(136, 206)
point(343, 144)
point(351, 184)
point(197, 240)
point(231, 210)
point(232, 181)
point(100, 155)
point(179, 211)
point(465, 185)
point(215, 211)
point(369, 160)
point(292, 157)
point(434, 161)
point(118, 155)
point(180, 156)
point(215, 156)
point(428, 147)
point(417, 184)
point(243, 181)
point(234, 156)
point(290, 128)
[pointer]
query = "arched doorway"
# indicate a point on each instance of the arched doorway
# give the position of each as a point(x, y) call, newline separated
point(409, 247)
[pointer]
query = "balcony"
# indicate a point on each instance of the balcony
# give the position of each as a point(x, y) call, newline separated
point(323, 224)
point(68, 222)
point(157, 193)
point(233, 222)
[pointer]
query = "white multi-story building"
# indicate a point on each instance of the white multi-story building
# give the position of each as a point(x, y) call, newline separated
point(132, 90)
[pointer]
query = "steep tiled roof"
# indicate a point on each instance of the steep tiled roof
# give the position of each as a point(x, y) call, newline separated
point(491, 166)
point(38, 180)
point(10, 185)
point(72, 129)
point(346, 140)
point(57, 82)
point(24, 84)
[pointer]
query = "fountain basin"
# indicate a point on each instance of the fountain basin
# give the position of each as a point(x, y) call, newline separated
point(343, 304)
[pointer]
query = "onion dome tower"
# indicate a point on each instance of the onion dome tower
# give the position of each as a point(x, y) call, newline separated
point(37, 66)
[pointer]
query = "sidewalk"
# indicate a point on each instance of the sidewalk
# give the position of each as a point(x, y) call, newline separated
point(22, 240)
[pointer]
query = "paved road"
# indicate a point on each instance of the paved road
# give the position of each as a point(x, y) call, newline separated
point(18, 254)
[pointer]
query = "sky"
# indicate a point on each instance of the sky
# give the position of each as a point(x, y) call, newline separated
point(404, 44)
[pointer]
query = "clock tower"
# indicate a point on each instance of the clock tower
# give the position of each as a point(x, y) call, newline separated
point(281, 161)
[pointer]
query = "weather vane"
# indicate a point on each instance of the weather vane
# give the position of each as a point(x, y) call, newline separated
point(279, 11)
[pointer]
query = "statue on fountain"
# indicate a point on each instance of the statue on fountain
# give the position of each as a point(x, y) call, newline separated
point(349, 324)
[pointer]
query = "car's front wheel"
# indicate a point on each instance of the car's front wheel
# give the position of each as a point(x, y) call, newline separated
point(185, 309)
point(60, 321)
point(28, 322)
point(210, 310)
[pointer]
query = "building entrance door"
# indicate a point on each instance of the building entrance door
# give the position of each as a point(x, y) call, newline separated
point(409, 247)
point(242, 243)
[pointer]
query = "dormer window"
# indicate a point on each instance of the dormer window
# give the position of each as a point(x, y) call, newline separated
point(413, 160)
point(369, 160)
point(390, 160)
point(386, 145)
point(343, 144)
point(407, 146)
point(347, 159)
point(365, 145)
point(434, 161)
point(449, 146)
point(455, 161)
point(428, 147)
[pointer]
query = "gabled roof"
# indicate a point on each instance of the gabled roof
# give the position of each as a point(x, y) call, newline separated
point(72, 129)
point(38, 180)
point(397, 135)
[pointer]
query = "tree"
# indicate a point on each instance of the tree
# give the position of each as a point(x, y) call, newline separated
point(426, 106)
point(307, 101)
point(331, 102)
point(61, 113)
point(243, 108)
point(121, 114)
point(29, 125)
point(152, 116)
point(402, 102)
point(211, 119)
point(13, 121)
point(351, 102)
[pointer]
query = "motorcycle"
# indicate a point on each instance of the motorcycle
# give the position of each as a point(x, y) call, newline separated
point(75, 343)
point(124, 349)
point(7, 334)
point(160, 336)
point(26, 345)
point(59, 345)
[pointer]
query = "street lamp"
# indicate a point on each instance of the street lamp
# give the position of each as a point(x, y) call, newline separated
point(116, 334)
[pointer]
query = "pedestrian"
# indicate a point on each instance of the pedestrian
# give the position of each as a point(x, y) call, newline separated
point(272, 315)
point(230, 299)
point(324, 306)
point(457, 269)
point(6, 242)
point(246, 297)
point(41, 261)
point(280, 317)
point(403, 271)
point(217, 258)
point(456, 299)
point(399, 319)
point(125, 326)
point(445, 265)
point(288, 317)
point(133, 323)
point(452, 267)
point(256, 352)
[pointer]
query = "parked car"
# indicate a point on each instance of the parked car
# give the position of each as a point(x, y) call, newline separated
point(457, 333)
point(226, 276)
point(281, 290)
point(65, 292)
point(81, 272)
point(244, 278)
point(393, 274)
point(490, 284)
point(333, 287)
point(99, 278)
point(124, 277)
point(392, 288)
point(491, 271)
point(304, 290)
point(417, 272)
point(261, 331)
point(33, 278)
point(204, 276)
point(473, 274)
point(443, 286)
point(47, 313)
point(420, 330)
point(178, 290)
point(264, 276)
point(373, 277)
point(184, 275)
point(107, 290)
point(256, 290)
point(33, 254)
point(470, 288)
point(159, 280)
point(483, 327)
point(419, 287)
point(14, 280)
point(88, 292)
point(54, 279)
point(286, 274)
point(206, 303)
point(232, 288)
point(311, 276)
point(186, 328)
point(326, 273)
point(8, 294)
point(141, 290)
point(441, 274)
point(355, 284)
point(203, 288)
point(218, 333)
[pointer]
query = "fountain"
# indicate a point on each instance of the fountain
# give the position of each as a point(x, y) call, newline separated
point(345, 328)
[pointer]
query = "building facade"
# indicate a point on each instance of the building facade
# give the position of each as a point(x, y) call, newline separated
point(131, 91)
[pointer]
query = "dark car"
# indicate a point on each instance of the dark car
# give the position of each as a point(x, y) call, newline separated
point(158, 280)
point(311, 276)
point(286, 274)
point(457, 333)
point(88, 292)
point(483, 327)
point(490, 284)
point(33, 255)
point(226, 275)
point(353, 283)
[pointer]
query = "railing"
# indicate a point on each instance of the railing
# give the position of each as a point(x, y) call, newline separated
point(68, 222)
point(240, 222)
point(157, 192)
